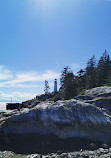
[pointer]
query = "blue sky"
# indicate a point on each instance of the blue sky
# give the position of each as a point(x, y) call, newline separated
point(38, 38)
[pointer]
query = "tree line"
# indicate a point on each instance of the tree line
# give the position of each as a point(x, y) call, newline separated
point(96, 74)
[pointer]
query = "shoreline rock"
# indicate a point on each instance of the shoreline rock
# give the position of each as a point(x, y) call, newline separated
point(68, 125)
point(54, 125)
point(99, 153)
point(62, 118)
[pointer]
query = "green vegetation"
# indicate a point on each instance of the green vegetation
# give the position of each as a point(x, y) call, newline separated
point(55, 97)
point(68, 84)
point(95, 74)
point(82, 92)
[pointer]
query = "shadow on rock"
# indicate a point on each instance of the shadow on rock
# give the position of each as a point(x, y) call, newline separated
point(44, 144)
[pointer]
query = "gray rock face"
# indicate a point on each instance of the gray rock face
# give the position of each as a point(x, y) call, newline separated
point(64, 119)
point(99, 91)
point(103, 103)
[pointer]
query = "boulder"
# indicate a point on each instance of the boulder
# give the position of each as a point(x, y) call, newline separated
point(62, 118)
point(99, 92)
point(70, 123)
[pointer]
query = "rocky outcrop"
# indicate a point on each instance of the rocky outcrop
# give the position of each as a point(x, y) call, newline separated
point(99, 91)
point(64, 119)
point(103, 103)
point(99, 97)
point(26, 104)
point(71, 124)
point(100, 153)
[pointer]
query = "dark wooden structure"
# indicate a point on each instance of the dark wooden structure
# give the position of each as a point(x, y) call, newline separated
point(12, 106)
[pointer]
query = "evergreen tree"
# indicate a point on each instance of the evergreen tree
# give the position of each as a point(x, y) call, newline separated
point(46, 88)
point(109, 80)
point(90, 73)
point(64, 72)
point(81, 80)
point(109, 75)
point(81, 73)
point(93, 75)
point(103, 69)
point(69, 86)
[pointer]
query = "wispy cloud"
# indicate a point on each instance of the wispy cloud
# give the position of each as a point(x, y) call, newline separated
point(5, 74)
point(16, 96)
point(25, 79)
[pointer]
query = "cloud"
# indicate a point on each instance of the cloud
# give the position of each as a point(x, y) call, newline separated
point(34, 76)
point(25, 79)
point(31, 80)
point(16, 96)
point(5, 74)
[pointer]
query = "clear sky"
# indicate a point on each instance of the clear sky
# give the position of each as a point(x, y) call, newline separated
point(38, 38)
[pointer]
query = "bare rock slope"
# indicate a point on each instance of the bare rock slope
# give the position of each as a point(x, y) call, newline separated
point(64, 119)
point(99, 91)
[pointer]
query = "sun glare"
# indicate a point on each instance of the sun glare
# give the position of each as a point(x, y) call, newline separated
point(43, 4)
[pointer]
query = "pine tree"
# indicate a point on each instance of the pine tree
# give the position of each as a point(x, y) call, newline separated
point(64, 72)
point(81, 80)
point(46, 88)
point(103, 68)
point(69, 86)
point(109, 74)
point(90, 73)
